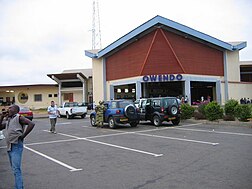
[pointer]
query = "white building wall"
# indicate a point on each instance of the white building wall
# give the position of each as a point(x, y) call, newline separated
point(31, 91)
point(98, 80)
point(240, 90)
point(233, 66)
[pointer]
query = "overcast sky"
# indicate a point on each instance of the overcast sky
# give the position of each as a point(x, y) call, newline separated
point(39, 37)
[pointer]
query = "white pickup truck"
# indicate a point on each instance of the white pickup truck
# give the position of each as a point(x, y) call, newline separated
point(72, 109)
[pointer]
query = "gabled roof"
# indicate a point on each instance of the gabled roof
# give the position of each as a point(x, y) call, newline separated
point(167, 24)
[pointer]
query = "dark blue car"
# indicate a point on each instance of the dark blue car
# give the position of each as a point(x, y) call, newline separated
point(119, 112)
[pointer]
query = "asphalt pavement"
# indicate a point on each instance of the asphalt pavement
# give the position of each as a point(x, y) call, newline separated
point(193, 155)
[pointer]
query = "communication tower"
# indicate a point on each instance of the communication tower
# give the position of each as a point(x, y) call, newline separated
point(96, 31)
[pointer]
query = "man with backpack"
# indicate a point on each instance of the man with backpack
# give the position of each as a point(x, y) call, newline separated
point(16, 131)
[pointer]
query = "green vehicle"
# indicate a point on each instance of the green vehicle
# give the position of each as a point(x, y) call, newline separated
point(158, 110)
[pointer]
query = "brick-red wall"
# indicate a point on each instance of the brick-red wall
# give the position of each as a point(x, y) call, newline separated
point(134, 60)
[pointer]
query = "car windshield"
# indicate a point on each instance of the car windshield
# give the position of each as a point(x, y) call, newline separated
point(71, 104)
point(82, 104)
point(22, 109)
point(170, 101)
point(123, 104)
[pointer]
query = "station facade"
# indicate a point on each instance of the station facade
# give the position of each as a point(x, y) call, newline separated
point(165, 58)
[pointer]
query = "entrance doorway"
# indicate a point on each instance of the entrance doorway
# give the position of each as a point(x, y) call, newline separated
point(68, 97)
point(163, 89)
point(202, 91)
point(125, 92)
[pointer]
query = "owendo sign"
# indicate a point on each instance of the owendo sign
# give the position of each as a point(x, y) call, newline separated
point(159, 78)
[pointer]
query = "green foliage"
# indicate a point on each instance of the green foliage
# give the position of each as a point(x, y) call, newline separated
point(230, 107)
point(186, 111)
point(213, 111)
point(243, 112)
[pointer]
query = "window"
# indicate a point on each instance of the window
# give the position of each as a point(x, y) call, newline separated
point(38, 97)
point(113, 105)
point(49, 95)
point(246, 73)
point(55, 95)
point(156, 103)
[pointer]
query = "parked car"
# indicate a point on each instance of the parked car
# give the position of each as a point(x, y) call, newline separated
point(26, 112)
point(119, 112)
point(72, 109)
point(160, 109)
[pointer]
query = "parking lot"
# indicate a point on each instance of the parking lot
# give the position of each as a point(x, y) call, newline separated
point(191, 155)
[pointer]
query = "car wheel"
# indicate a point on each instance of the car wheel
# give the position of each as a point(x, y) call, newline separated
point(156, 121)
point(130, 112)
point(68, 116)
point(175, 121)
point(133, 124)
point(83, 116)
point(173, 110)
point(93, 121)
point(111, 123)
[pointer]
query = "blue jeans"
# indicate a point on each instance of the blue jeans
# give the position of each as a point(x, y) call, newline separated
point(15, 156)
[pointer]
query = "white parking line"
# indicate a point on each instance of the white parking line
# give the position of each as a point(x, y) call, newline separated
point(51, 142)
point(157, 129)
point(64, 123)
point(72, 169)
point(213, 131)
point(87, 127)
point(108, 144)
point(189, 125)
point(114, 134)
point(122, 147)
point(180, 139)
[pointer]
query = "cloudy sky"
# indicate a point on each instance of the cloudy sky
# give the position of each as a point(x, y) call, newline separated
point(38, 37)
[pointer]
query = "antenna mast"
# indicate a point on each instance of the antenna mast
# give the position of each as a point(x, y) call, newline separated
point(96, 31)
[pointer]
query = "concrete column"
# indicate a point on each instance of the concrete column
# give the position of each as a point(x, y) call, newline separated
point(138, 89)
point(188, 89)
point(112, 93)
point(225, 75)
point(59, 97)
point(83, 87)
point(144, 90)
point(59, 89)
point(218, 91)
point(104, 79)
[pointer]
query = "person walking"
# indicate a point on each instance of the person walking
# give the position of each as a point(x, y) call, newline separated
point(53, 114)
point(100, 109)
point(16, 131)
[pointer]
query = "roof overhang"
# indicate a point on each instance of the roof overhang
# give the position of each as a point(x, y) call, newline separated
point(164, 23)
point(78, 76)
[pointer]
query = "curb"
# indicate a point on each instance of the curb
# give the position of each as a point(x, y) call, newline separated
point(220, 122)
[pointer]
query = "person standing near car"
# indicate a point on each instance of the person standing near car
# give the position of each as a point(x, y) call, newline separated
point(100, 109)
point(15, 134)
point(53, 114)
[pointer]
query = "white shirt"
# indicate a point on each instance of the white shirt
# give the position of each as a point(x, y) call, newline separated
point(53, 112)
